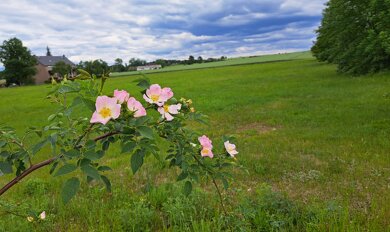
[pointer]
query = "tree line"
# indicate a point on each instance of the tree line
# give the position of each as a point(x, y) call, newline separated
point(355, 35)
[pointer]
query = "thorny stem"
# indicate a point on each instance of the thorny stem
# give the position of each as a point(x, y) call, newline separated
point(37, 166)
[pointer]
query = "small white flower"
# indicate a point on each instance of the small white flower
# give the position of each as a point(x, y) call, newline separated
point(42, 216)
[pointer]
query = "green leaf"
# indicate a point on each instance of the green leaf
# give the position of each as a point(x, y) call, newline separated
point(107, 182)
point(137, 159)
point(4, 154)
point(92, 155)
point(187, 188)
point(225, 183)
point(182, 176)
point(5, 167)
point(143, 83)
point(72, 153)
point(141, 121)
point(53, 167)
point(128, 147)
point(104, 168)
point(91, 172)
point(2, 143)
point(51, 117)
point(146, 132)
point(37, 147)
point(105, 145)
point(67, 168)
point(67, 89)
point(89, 104)
point(70, 189)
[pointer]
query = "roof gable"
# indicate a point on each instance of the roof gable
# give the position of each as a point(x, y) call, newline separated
point(52, 60)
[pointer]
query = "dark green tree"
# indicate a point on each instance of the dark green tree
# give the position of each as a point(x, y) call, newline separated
point(61, 68)
point(355, 35)
point(18, 62)
point(134, 62)
point(96, 67)
point(118, 66)
point(191, 59)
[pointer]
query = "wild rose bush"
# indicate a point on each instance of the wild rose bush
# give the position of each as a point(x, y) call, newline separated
point(79, 141)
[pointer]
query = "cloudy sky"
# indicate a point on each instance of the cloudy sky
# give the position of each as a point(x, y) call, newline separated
point(150, 29)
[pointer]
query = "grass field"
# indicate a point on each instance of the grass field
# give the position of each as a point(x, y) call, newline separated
point(228, 62)
point(316, 145)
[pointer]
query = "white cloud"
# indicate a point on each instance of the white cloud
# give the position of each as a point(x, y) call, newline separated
point(107, 29)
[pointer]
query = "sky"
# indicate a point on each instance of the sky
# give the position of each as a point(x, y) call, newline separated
point(151, 29)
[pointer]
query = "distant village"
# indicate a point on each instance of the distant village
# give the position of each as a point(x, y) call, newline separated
point(55, 67)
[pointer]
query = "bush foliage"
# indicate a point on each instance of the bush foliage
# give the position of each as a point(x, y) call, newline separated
point(355, 35)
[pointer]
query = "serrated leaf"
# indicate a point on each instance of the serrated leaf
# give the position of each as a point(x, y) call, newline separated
point(107, 182)
point(70, 189)
point(5, 167)
point(90, 171)
point(146, 132)
point(137, 159)
point(187, 188)
point(67, 168)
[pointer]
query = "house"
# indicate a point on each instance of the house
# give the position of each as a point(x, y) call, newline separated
point(149, 67)
point(45, 66)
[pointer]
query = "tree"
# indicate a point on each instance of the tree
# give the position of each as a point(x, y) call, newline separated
point(18, 62)
point(200, 59)
point(191, 59)
point(355, 35)
point(96, 67)
point(62, 68)
point(118, 66)
point(48, 53)
point(134, 62)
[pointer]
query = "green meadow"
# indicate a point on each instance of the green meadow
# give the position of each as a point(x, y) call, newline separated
point(315, 144)
point(228, 62)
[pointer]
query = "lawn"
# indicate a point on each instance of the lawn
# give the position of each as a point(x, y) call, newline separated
point(315, 144)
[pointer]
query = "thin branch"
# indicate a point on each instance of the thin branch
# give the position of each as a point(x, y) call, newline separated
point(35, 167)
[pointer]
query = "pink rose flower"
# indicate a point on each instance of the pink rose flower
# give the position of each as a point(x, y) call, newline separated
point(106, 108)
point(121, 96)
point(166, 111)
point(156, 95)
point(207, 146)
point(230, 148)
point(136, 107)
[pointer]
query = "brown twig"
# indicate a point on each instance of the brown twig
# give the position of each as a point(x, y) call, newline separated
point(37, 166)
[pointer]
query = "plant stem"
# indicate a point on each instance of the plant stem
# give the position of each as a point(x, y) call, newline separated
point(220, 196)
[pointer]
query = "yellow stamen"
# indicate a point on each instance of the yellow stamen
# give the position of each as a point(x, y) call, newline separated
point(154, 98)
point(105, 112)
point(166, 108)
